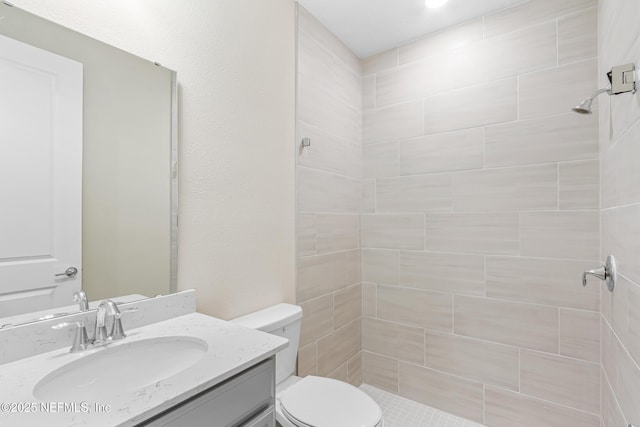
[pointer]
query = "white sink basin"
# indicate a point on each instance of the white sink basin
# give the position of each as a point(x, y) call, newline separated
point(125, 368)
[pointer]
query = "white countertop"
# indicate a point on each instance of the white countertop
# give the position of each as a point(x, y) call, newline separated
point(35, 316)
point(231, 350)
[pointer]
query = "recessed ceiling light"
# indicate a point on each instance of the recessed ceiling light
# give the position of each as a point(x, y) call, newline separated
point(432, 4)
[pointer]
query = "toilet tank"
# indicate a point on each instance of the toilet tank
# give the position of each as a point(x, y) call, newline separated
point(282, 320)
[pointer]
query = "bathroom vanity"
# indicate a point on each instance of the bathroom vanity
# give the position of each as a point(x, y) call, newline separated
point(189, 370)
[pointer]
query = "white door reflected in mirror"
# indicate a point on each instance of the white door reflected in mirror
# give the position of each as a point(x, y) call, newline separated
point(40, 178)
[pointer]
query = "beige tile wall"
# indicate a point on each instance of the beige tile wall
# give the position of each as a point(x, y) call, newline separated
point(480, 212)
point(329, 202)
point(467, 131)
point(619, 43)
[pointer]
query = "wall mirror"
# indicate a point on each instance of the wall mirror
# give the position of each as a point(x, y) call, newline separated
point(88, 171)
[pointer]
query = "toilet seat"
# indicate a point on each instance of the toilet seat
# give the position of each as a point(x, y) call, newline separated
point(325, 402)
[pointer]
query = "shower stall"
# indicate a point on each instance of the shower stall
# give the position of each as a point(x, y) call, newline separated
point(448, 203)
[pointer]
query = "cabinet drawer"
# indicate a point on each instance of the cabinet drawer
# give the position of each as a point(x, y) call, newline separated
point(228, 404)
point(264, 419)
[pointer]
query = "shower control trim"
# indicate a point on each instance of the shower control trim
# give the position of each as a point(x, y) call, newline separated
point(606, 273)
point(623, 78)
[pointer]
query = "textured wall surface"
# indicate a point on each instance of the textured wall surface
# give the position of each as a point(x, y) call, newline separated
point(480, 212)
point(235, 62)
point(619, 43)
point(329, 195)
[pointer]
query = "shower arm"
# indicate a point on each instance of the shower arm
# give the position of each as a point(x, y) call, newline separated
point(606, 90)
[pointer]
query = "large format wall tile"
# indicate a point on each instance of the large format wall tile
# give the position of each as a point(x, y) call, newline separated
point(307, 360)
point(488, 233)
point(393, 122)
point(455, 273)
point(557, 90)
point(611, 413)
point(526, 50)
point(578, 36)
point(412, 81)
point(628, 386)
point(620, 172)
point(308, 26)
point(325, 192)
point(347, 305)
point(317, 319)
point(513, 323)
point(320, 108)
point(337, 232)
point(354, 370)
point(542, 140)
point(580, 334)
point(560, 379)
point(481, 361)
point(579, 185)
point(321, 274)
point(380, 266)
point(329, 201)
point(506, 189)
point(541, 281)
point(369, 92)
point(380, 371)
point(402, 342)
point(420, 193)
point(520, 52)
point(507, 409)
point(306, 234)
point(338, 347)
point(369, 196)
point(470, 107)
point(441, 42)
point(530, 13)
point(442, 152)
point(633, 319)
point(328, 152)
point(393, 231)
point(448, 393)
point(619, 226)
point(431, 310)
point(479, 212)
point(380, 160)
point(572, 235)
point(369, 300)
point(381, 61)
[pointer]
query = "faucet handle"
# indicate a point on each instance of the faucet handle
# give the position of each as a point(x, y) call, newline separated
point(80, 297)
point(81, 340)
point(117, 332)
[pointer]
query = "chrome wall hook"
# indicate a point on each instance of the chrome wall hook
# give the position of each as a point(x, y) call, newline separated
point(607, 273)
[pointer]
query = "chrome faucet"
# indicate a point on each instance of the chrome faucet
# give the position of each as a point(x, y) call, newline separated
point(108, 307)
point(80, 297)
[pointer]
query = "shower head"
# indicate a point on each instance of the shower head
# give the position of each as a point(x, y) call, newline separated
point(585, 106)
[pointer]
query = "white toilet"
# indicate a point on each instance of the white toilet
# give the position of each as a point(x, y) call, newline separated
point(310, 401)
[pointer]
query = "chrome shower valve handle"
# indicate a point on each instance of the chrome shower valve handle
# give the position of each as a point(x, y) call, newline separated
point(605, 273)
point(600, 273)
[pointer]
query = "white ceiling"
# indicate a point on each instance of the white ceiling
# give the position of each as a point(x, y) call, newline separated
point(368, 27)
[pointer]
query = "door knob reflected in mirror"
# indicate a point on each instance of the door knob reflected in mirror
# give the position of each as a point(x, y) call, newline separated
point(69, 272)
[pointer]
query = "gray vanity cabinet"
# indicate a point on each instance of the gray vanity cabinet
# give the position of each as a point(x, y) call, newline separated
point(245, 400)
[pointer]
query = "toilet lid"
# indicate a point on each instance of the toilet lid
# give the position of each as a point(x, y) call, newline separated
point(324, 402)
